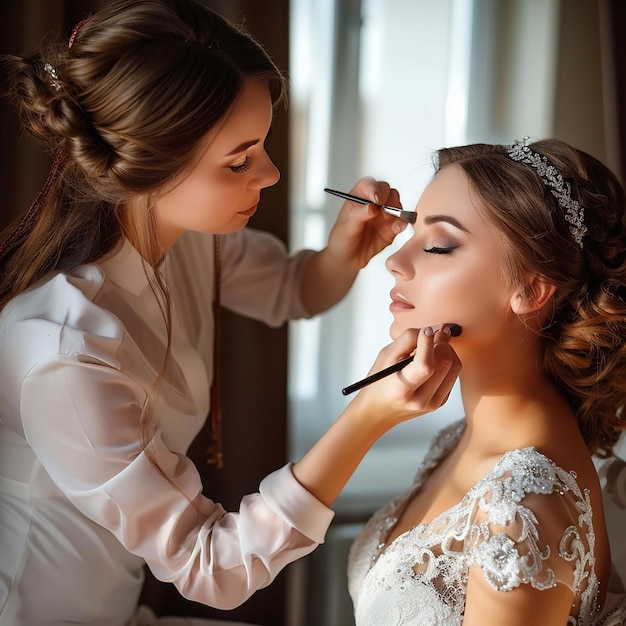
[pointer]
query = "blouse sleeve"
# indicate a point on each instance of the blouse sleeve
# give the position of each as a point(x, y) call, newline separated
point(260, 279)
point(151, 499)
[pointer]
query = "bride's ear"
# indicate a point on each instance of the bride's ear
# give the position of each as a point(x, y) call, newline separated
point(531, 298)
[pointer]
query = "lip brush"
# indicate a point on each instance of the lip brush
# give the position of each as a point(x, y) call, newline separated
point(407, 216)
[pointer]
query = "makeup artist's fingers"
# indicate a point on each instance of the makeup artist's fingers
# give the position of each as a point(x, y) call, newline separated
point(393, 198)
point(385, 195)
point(401, 348)
point(446, 368)
point(377, 191)
point(420, 387)
point(420, 370)
point(362, 230)
point(432, 372)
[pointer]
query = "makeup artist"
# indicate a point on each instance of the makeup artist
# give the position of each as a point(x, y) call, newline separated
point(157, 112)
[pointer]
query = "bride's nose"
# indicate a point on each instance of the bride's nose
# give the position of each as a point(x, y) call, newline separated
point(399, 263)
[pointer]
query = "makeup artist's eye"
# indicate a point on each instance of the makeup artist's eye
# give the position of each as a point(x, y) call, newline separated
point(242, 167)
point(440, 249)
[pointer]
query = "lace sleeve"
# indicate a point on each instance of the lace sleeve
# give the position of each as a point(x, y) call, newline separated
point(531, 524)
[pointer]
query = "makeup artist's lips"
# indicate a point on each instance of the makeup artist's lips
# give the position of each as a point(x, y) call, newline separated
point(398, 303)
point(249, 212)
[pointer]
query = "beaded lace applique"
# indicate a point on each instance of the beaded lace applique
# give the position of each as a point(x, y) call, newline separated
point(420, 579)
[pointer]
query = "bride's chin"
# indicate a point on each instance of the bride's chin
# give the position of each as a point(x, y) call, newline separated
point(395, 331)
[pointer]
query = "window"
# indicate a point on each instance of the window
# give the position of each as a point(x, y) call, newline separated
point(377, 86)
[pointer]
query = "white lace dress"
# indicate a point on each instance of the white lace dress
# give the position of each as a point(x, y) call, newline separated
point(526, 522)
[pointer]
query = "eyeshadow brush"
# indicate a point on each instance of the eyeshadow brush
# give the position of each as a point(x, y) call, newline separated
point(407, 216)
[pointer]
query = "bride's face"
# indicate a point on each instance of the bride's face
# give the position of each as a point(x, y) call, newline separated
point(451, 268)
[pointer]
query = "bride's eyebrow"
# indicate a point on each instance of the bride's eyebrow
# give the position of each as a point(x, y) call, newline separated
point(243, 146)
point(434, 219)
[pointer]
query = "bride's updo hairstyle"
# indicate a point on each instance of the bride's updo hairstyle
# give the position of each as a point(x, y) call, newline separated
point(560, 214)
point(123, 106)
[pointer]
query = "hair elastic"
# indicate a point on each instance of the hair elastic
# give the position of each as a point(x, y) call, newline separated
point(32, 213)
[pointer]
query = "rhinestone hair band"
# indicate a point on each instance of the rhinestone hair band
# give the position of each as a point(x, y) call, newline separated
point(560, 189)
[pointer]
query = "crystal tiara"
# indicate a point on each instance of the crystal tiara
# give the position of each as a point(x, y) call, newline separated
point(560, 189)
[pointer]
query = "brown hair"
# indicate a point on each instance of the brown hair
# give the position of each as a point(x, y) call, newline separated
point(130, 100)
point(124, 107)
point(585, 347)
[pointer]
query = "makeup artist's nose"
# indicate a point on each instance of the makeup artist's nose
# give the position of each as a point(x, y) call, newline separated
point(266, 174)
point(399, 263)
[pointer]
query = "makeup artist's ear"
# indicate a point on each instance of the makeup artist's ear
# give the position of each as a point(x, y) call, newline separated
point(533, 296)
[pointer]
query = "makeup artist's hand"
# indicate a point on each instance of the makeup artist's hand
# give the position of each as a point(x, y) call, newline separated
point(420, 387)
point(362, 231)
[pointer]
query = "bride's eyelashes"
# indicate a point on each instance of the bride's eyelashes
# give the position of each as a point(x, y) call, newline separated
point(441, 249)
point(242, 167)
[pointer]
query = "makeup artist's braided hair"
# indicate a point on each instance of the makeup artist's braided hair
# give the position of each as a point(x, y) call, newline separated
point(585, 348)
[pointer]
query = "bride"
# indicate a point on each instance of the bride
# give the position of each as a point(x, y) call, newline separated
point(524, 247)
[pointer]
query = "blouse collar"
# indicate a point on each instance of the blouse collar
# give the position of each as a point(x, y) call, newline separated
point(126, 268)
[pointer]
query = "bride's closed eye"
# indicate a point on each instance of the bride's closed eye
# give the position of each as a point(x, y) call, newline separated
point(241, 167)
point(441, 249)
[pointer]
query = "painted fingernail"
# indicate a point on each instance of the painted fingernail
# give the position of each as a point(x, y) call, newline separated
point(454, 330)
point(429, 331)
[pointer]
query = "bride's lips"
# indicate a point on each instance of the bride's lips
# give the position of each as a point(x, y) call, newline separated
point(399, 303)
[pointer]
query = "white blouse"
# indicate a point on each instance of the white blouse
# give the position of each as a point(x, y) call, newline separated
point(82, 507)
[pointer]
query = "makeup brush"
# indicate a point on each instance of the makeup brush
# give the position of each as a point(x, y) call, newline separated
point(455, 331)
point(407, 216)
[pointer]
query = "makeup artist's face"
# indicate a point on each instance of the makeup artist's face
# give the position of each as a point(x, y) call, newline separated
point(450, 269)
point(222, 191)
